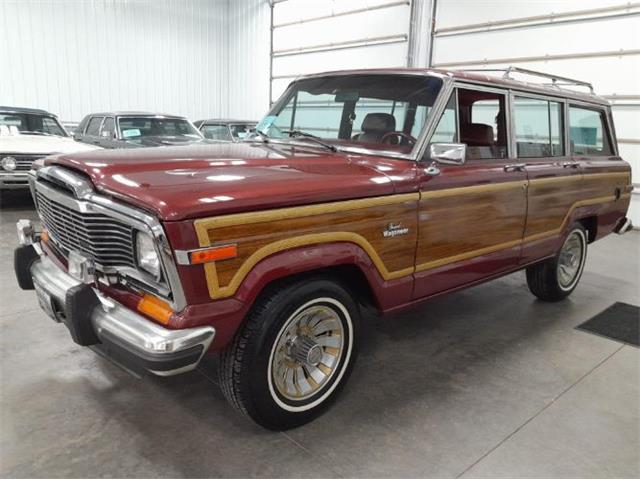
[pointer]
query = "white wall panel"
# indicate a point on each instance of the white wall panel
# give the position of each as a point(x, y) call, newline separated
point(73, 57)
point(297, 10)
point(392, 55)
point(577, 35)
point(453, 13)
point(543, 40)
point(297, 26)
point(374, 23)
point(249, 22)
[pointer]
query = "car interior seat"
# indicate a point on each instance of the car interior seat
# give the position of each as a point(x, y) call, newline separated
point(375, 126)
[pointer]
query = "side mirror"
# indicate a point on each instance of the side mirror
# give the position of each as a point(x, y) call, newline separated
point(448, 153)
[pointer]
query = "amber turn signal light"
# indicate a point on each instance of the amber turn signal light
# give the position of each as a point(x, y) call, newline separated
point(44, 235)
point(212, 254)
point(155, 308)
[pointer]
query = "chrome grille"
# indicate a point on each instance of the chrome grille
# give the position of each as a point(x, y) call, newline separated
point(23, 162)
point(107, 240)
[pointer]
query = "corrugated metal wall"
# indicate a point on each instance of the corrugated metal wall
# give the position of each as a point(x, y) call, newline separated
point(320, 35)
point(73, 57)
point(249, 22)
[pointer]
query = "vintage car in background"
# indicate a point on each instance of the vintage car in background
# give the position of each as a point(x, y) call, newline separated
point(407, 185)
point(136, 129)
point(28, 134)
point(225, 129)
point(70, 127)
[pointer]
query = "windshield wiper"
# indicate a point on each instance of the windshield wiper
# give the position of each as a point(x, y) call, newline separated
point(309, 136)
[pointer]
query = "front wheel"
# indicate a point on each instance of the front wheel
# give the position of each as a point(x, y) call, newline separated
point(555, 278)
point(293, 354)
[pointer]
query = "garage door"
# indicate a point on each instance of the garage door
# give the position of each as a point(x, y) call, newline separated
point(593, 40)
point(323, 35)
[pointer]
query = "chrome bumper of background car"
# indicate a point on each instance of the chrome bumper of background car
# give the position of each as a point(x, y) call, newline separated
point(14, 181)
point(112, 329)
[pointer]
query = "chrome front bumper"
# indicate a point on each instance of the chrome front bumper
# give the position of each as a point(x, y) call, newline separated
point(112, 329)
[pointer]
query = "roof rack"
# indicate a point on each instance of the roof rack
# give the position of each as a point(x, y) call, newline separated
point(565, 81)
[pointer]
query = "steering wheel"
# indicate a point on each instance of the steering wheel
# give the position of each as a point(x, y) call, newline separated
point(401, 139)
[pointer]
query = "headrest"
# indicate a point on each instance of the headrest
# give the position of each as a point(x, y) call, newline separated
point(478, 134)
point(379, 122)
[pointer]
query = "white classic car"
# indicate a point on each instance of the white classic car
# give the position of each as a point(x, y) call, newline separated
point(26, 135)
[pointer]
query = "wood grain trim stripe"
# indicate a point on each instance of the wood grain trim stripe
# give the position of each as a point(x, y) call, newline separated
point(475, 189)
point(202, 226)
point(215, 291)
point(579, 177)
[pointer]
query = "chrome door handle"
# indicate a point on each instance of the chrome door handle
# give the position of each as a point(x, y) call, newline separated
point(570, 164)
point(515, 167)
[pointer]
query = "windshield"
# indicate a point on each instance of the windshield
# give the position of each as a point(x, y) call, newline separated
point(29, 124)
point(138, 127)
point(373, 111)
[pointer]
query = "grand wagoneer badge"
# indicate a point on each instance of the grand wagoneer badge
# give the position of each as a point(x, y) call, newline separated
point(394, 230)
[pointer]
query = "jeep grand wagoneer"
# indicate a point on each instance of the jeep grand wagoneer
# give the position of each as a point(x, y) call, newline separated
point(379, 187)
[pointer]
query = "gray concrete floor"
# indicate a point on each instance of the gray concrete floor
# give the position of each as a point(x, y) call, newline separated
point(487, 382)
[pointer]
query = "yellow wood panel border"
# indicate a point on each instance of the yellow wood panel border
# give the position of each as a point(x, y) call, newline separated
point(313, 239)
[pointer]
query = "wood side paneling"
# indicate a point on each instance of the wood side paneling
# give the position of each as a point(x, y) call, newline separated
point(461, 223)
point(551, 201)
point(448, 225)
point(260, 234)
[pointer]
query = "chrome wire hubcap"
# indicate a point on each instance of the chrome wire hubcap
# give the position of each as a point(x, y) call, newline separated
point(570, 260)
point(308, 352)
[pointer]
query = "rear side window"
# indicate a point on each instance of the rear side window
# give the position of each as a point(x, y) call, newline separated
point(94, 126)
point(216, 132)
point(538, 126)
point(588, 133)
point(108, 127)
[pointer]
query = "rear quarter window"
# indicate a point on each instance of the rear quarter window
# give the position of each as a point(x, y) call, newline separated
point(588, 132)
point(94, 126)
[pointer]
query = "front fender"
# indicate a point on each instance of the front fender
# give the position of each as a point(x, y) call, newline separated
point(386, 294)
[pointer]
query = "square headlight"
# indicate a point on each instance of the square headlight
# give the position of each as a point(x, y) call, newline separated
point(146, 254)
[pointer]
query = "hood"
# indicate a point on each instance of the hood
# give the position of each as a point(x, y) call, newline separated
point(203, 180)
point(162, 141)
point(42, 144)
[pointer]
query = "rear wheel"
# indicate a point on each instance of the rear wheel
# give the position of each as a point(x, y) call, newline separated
point(293, 355)
point(555, 278)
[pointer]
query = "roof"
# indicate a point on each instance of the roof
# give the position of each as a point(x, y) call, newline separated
point(490, 78)
point(227, 120)
point(34, 111)
point(117, 113)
